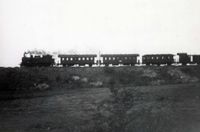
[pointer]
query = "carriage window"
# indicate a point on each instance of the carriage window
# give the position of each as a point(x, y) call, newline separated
point(168, 57)
point(66, 58)
point(162, 57)
point(151, 57)
point(87, 58)
point(109, 58)
point(91, 58)
point(113, 58)
point(118, 58)
point(83, 58)
point(125, 58)
point(105, 58)
point(129, 58)
point(79, 58)
point(157, 58)
point(71, 58)
point(63, 59)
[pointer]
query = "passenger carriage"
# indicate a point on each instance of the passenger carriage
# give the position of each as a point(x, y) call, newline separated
point(80, 60)
point(117, 59)
point(158, 59)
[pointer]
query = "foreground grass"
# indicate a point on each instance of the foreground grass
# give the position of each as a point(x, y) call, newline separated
point(173, 108)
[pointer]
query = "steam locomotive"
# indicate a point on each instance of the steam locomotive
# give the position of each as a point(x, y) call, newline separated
point(29, 60)
point(109, 59)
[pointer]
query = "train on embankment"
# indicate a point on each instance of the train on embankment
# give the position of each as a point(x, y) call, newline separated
point(70, 60)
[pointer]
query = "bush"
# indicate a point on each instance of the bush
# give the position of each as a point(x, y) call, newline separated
point(112, 115)
point(41, 87)
point(58, 78)
point(19, 79)
point(109, 70)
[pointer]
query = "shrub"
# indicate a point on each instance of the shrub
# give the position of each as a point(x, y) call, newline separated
point(109, 70)
point(58, 78)
point(19, 79)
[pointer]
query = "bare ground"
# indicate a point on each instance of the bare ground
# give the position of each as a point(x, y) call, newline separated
point(61, 112)
point(167, 108)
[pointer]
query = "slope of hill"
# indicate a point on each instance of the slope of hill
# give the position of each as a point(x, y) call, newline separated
point(100, 99)
point(79, 77)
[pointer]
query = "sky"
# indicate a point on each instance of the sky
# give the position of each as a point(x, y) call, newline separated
point(93, 26)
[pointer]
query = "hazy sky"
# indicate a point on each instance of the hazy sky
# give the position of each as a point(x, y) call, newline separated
point(90, 26)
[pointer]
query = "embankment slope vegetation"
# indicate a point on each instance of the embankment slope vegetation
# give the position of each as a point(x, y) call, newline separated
point(79, 77)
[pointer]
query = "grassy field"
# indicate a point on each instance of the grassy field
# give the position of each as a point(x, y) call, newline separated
point(111, 99)
point(167, 108)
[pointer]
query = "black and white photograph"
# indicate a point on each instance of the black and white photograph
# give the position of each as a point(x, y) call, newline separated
point(99, 66)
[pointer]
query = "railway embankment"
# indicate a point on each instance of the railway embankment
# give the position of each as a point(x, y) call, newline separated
point(108, 99)
point(30, 80)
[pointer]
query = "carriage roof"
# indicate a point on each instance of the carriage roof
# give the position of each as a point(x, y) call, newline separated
point(119, 55)
point(76, 55)
point(158, 55)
